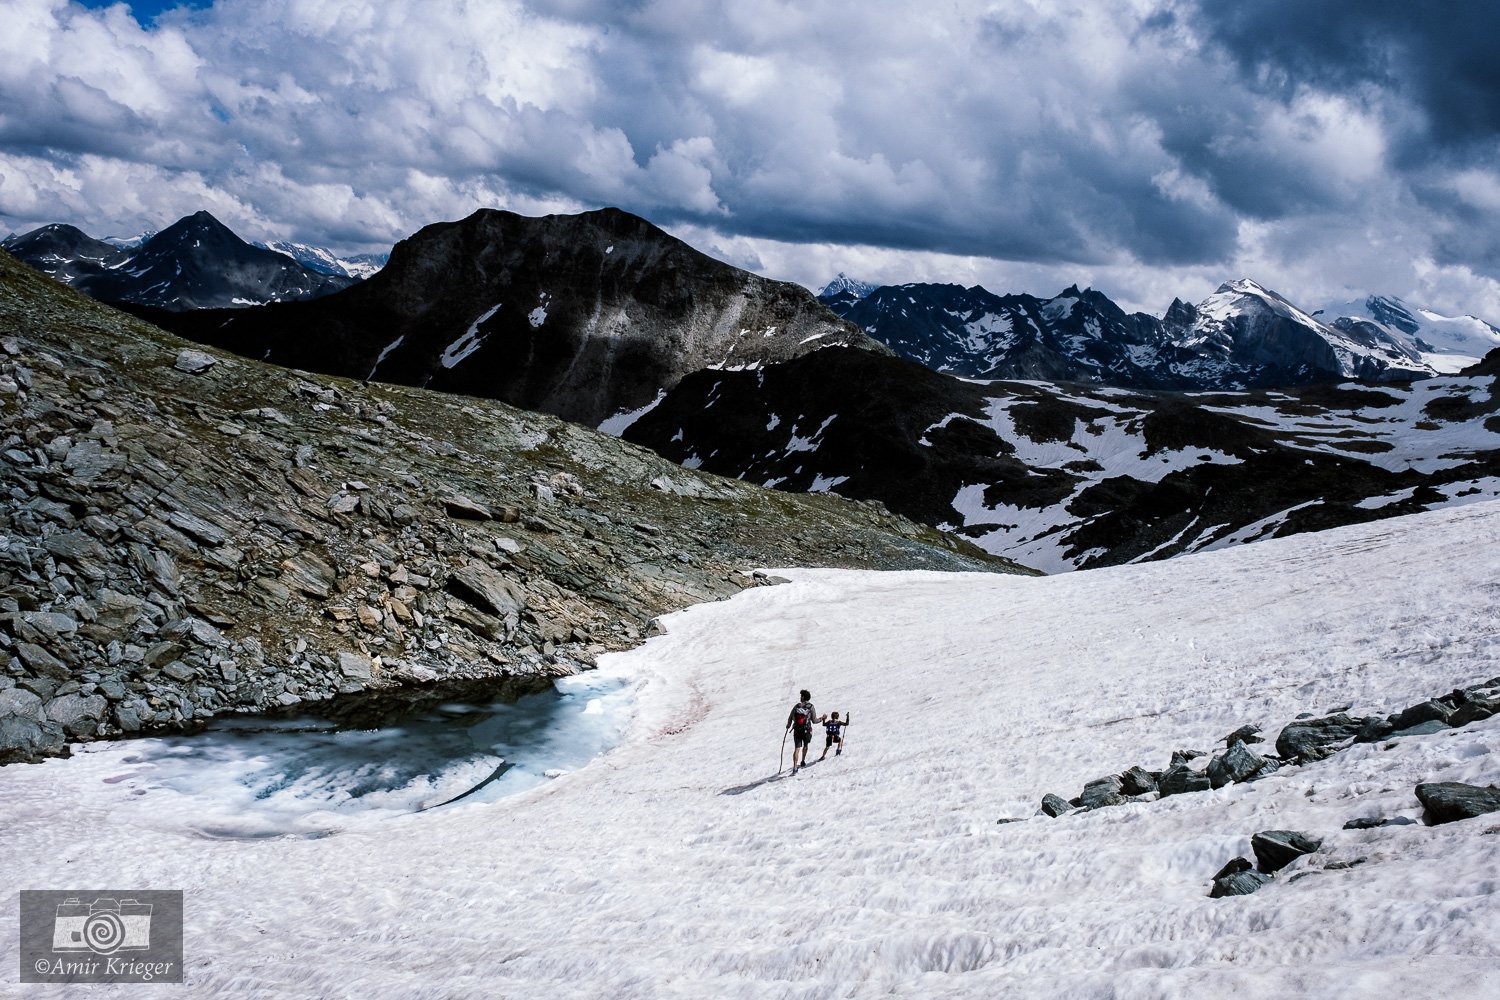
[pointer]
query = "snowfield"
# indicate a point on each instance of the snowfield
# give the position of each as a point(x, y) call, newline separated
point(669, 867)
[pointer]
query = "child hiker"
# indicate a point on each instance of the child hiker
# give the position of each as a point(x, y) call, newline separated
point(835, 730)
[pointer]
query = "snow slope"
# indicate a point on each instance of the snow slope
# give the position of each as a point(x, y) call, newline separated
point(667, 868)
point(1447, 344)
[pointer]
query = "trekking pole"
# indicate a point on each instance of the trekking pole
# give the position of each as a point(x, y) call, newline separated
point(781, 758)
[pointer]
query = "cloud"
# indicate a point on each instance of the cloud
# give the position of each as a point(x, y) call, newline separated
point(1045, 142)
point(1434, 59)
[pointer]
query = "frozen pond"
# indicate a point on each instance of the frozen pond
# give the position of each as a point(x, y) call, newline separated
point(253, 778)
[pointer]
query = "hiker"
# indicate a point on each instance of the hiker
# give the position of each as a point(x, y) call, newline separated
point(800, 721)
point(835, 730)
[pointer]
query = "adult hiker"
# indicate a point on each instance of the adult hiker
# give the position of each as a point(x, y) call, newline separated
point(800, 721)
point(835, 730)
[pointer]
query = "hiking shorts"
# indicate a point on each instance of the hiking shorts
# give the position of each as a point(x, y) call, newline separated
point(832, 739)
point(801, 736)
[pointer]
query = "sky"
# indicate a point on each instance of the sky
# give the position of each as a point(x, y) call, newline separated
point(1149, 148)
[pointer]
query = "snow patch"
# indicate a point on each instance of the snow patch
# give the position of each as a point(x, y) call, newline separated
point(470, 342)
point(385, 353)
point(620, 422)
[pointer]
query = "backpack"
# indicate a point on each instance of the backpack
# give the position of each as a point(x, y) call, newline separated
point(801, 718)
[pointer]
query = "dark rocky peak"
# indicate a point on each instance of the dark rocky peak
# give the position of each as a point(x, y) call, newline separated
point(1180, 315)
point(58, 240)
point(584, 316)
point(197, 232)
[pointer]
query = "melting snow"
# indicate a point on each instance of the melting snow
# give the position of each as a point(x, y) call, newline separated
point(810, 442)
point(384, 354)
point(620, 422)
point(469, 342)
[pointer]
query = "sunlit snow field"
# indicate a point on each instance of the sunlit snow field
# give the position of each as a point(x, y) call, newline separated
point(668, 868)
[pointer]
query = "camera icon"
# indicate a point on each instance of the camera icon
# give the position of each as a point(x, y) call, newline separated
point(103, 927)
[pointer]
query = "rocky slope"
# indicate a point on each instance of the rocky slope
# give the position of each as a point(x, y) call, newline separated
point(580, 316)
point(185, 533)
point(1063, 476)
point(1242, 336)
point(195, 263)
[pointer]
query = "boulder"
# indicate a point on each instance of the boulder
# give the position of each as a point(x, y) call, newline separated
point(1449, 801)
point(51, 623)
point(116, 611)
point(1371, 822)
point(26, 733)
point(1184, 756)
point(1244, 734)
point(1137, 781)
point(488, 590)
point(460, 506)
point(355, 665)
point(1055, 805)
point(42, 663)
point(1373, 730)
point(1102, 792)
point(1473, 710)
point(1275, 849)
point(1236, 765)
point(1427, 711)
point(178, 671)
point(1302, 739)
point(1180, 778)
point(1236, 865)
point(130, 715)
point(78, 715)
point(1240, 883)
point(194, 362)
point(75, 546)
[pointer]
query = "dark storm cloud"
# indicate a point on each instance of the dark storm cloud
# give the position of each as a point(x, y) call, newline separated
point(1438, 56)
point(1132, 138)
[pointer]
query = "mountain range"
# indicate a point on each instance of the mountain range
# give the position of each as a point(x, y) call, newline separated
point(1065, 475)
point(1064, 442)
point(1243, 336)
point(195, 263)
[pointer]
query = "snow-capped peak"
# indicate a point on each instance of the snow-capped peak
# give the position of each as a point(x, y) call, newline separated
point(325, 261)
point(1447, 344)
point(844, 285)
point(130, 242)
point(1244, 295)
